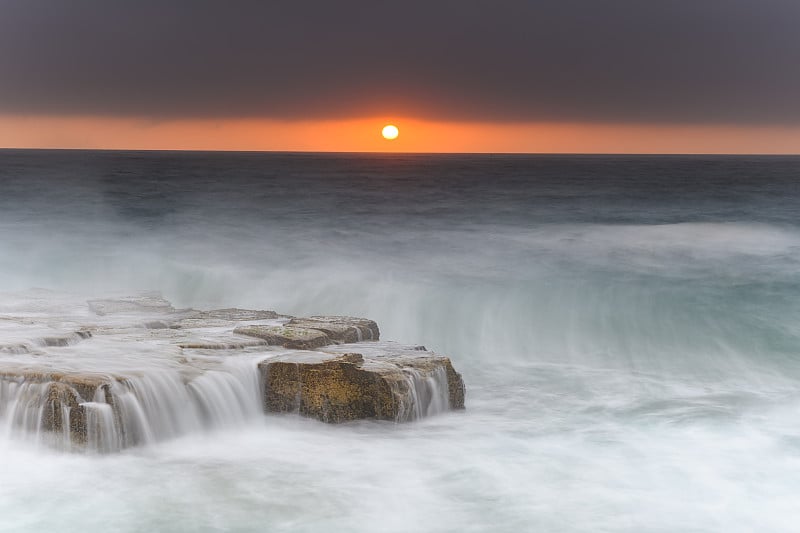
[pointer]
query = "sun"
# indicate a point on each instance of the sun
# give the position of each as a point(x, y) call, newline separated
point(390, 132)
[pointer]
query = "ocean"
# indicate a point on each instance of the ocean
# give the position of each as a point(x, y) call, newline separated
point(628, 329)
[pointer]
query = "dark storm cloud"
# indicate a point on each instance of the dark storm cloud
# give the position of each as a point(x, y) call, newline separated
point(720, 61)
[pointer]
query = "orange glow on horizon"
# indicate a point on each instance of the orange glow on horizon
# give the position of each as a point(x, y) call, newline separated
point(358, 135)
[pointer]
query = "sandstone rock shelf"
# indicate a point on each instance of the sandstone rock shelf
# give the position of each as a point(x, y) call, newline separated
point(120, 372)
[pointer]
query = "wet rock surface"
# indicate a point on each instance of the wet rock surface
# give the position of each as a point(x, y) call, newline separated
point(118, 372)
point(384, 385)
point(315, 332)
point(287, 336)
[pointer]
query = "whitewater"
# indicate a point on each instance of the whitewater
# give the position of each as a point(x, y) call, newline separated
point(628, 330)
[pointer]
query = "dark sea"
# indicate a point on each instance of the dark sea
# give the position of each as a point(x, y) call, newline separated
point(628, 329)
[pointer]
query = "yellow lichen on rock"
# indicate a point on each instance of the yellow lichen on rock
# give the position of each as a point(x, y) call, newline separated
point(341, 387)
point(335, 390)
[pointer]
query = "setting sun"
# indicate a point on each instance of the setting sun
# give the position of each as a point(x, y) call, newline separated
point(390, 132)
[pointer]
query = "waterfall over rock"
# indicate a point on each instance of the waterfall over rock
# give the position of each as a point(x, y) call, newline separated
point(132, 371)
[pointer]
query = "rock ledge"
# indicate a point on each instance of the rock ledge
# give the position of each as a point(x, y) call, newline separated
point(131, 370)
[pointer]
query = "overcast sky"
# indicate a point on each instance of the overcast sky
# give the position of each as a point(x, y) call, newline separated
point(645, 61)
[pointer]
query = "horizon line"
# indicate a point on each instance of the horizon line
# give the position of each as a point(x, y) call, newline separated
point(376, 152)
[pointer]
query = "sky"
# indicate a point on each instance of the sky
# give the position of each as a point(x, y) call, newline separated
point(687, 76)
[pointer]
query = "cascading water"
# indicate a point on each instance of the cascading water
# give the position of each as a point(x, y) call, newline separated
point(22, 406)
point(214, 381)
point(155, 407)
point(428, 393)
point(102, 430)
point(134, 411)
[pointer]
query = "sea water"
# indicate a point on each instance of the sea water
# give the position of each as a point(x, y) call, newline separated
point(628, 329)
